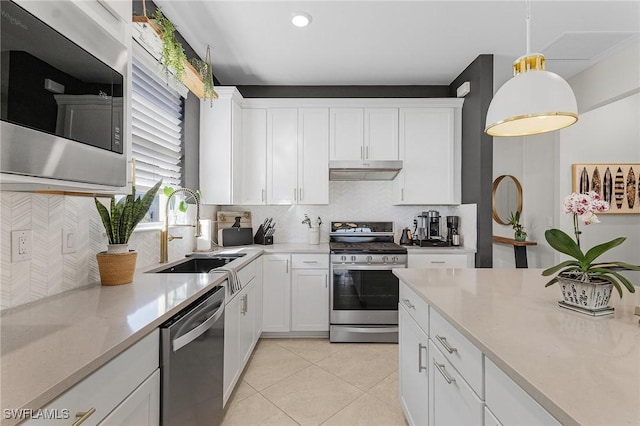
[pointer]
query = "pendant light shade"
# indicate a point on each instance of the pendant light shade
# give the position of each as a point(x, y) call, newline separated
point(534, 101)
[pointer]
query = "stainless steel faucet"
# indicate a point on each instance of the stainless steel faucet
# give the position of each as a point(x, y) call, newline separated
point(165, 237)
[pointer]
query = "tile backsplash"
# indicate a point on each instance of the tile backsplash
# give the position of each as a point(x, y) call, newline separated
point(50, 272)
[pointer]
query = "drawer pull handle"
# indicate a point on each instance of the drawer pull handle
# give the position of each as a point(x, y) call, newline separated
point(438, 261)
point(83, 415)
point(444, 373)
point(309, 261)
point(408, 303)
point(443, 341)
point(420, 367)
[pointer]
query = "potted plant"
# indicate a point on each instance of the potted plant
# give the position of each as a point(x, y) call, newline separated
point(117, 265)
point(205, 69)
point(584, 282)
point(519, 232)
point(173, 55)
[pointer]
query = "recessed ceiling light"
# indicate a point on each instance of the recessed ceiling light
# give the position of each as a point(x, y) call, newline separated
point(301, 19)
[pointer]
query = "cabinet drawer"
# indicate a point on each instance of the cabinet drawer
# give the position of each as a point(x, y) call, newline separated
point(415, 306)
point(451, 400)
point(444, 260)
point(510, 403)
point(310, 261)
point(107, 387)
point(247, 273)
point(459, 351)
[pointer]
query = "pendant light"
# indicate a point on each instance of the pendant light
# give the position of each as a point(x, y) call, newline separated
point(534, 101)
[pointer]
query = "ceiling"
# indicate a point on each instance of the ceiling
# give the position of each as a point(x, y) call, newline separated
point(394, 42)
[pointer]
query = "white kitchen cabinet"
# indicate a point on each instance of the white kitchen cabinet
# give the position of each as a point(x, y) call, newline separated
point(439, 260)
point(257, 326)
point(112, 387)
point(220, 148)
point(297, 156)
point(364, 134)
point(253, 159)
point(240, 332)
point(141, 408)
point(413, 369)
point(430, 148)
point(451, 400)
point(276, 295)
point(310, 293)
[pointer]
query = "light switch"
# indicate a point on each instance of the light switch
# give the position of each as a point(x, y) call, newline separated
point(69, 240)
point(21, 245)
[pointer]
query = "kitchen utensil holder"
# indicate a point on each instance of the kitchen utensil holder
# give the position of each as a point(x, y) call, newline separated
point(260, 238)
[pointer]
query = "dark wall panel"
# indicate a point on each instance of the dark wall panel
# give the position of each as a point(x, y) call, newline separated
point(477, 151)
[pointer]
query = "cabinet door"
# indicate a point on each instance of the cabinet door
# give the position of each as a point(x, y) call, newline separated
point(276, 294)
point(313, 156)
point(381, 134)
point(451, 400)
point(140, 408)
point(253, 158)
point(419, 260)
point(413, 370)
point(310, 300)
point(231, 345)
point(282, 156)
point(247, 323)
point(346, 133)
point(257, 328)
point(427, 149)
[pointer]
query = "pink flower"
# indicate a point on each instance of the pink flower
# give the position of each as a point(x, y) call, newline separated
point(588, 218)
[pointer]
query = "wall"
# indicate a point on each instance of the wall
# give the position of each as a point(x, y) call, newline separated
point(366, 201)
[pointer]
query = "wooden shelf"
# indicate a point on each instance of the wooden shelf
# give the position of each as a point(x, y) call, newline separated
point(192, 78)
point(512, 242)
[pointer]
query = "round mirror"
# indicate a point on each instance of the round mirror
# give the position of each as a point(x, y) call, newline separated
point(507, 198)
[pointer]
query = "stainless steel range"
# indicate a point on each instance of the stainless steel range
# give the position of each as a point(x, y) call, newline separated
point(364, 291)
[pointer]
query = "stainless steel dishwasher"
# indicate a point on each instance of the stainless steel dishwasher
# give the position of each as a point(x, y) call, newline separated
point(192, 363)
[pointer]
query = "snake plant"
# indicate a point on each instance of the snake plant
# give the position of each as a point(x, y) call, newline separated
point(123, 216)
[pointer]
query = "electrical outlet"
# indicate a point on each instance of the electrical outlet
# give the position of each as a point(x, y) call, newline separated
point(69, 240)
point(21, 245)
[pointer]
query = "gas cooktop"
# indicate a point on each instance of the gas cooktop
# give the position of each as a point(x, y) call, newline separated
point(367, 248)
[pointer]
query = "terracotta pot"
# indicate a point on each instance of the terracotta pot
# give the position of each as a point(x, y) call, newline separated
point(117, 268)
point(585, 294)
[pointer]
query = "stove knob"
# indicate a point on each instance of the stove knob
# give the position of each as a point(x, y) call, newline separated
point(369, 259)
point(343, 258)
point(385, 259)
point(394, 259)
point(353, 258)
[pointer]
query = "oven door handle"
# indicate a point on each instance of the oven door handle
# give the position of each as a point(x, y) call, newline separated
point(369, 329)
point(344, 267)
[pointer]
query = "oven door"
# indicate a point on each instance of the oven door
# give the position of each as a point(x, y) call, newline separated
point(364, 294)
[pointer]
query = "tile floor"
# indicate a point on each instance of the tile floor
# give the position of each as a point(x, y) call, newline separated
point(314, 382)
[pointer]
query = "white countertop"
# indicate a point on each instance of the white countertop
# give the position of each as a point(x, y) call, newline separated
point(582, 369)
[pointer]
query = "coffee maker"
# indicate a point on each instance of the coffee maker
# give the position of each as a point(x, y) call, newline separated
point(427, 230)
point(453, 235)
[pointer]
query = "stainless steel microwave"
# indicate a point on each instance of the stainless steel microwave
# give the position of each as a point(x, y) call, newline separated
point(62, 95)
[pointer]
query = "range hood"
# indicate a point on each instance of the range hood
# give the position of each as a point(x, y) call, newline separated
point(364, 170)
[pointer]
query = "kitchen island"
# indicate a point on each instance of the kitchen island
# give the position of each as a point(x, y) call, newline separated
point(580, 369)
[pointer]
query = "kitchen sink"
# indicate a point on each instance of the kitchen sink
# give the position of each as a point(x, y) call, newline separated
point(199, 265)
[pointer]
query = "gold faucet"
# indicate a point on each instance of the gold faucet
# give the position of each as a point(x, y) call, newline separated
point(165, 237)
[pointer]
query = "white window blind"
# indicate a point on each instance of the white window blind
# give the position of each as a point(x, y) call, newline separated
point(157, 111)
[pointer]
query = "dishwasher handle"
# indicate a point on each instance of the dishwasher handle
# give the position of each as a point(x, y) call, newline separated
point(192, 335)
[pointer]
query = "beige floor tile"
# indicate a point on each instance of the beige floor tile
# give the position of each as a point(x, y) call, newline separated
point(255, 410)
point(363, 365)
point(387, 391)
point(271, 363)
point(312, 350)
point(243, 390)
point(312, 395)
point(367, 411)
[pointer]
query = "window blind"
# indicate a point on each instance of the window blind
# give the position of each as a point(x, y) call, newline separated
point(157, 114)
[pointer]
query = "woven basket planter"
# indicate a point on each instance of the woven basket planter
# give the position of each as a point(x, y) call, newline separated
point(117, 268)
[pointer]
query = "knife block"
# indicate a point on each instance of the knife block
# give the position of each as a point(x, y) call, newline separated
point(260, 238)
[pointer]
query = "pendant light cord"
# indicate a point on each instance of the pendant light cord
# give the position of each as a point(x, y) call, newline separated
point(528, 19)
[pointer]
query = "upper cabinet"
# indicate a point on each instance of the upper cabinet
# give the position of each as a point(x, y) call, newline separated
point(220, 148)
point(254, 157)
point(430, 148)
point(364, 134)
point(297, 156)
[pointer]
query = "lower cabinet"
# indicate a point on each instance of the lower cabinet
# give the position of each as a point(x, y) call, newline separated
point(310, 300)
point(126, 390)
point(276, 293)
point(440, 260)
point(413, 370)
point(451, 399)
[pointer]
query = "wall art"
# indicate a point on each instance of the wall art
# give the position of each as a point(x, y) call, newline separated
point(617, 183)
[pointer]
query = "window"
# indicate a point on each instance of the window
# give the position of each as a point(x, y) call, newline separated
point(157, 121)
